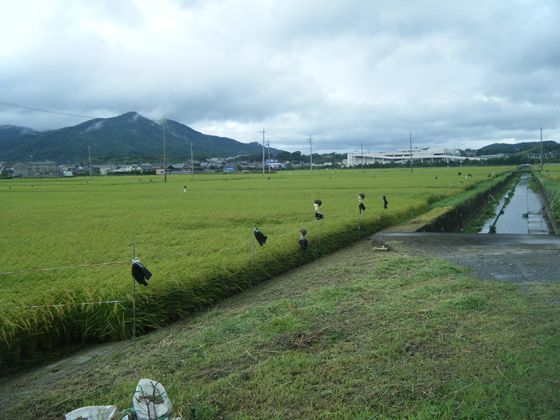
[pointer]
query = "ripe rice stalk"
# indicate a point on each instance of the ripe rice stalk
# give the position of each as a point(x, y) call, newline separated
point(196, 246)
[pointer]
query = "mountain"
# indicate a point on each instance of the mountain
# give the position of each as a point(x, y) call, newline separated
point(11, 135)
point(129, 137)
point(526, 147)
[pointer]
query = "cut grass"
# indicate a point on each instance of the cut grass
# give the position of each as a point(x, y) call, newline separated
point(358, 334)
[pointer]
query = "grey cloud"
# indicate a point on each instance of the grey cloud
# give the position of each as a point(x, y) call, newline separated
point(347, 72)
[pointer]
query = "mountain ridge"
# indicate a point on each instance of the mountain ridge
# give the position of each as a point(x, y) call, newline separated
point(129, 136)
point(506, 148)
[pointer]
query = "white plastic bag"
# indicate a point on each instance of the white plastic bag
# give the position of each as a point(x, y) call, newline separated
point(93, 412)
point(150, 401)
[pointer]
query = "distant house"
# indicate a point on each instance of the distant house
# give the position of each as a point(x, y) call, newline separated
point(46, 169)
point(545, 155)
point(229, 169)
point(147, 169)
point(78, 170)
point(176, 168)
point(102, 169)
point(158, 168)
point(247, 168)
point(6, 171)
point(275, 164)
point(123, 170)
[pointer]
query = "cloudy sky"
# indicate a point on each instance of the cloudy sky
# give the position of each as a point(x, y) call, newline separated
point(346, 72)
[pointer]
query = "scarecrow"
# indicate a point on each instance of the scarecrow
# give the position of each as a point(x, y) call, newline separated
point(140, 273)
point(259, 236)
point(302, 241)
point(317, 204)
point(361, 206)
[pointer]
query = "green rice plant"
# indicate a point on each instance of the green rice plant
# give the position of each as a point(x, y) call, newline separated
point(550, 179)
point(198, 244)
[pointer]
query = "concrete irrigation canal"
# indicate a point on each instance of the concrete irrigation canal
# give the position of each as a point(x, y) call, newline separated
point(521, 249)
point(522, 214)
point(515, 258)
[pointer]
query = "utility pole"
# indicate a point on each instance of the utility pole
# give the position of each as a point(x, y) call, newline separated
point(362, 153)
point(311, 153)
point(268, 144)
point(263, 151)
point(89, 155)
point(192, 164)
point(164, 153)
point(410, 152)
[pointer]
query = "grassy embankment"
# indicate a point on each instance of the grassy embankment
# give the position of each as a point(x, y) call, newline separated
point(357, 334)
point(197, 244)
point(550, 179)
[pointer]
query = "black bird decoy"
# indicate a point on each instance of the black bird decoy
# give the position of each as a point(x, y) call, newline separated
point(260, 237)
point(140, 273)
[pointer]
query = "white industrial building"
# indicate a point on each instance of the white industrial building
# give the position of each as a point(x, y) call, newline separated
point(424, 154)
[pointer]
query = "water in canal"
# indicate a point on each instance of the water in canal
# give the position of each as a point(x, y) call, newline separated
point(522, 215)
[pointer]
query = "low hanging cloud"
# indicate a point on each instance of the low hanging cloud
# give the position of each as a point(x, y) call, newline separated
point(350, 74)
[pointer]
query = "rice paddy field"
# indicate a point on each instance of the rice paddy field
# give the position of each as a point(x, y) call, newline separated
point(66, 244)
point(550, 179)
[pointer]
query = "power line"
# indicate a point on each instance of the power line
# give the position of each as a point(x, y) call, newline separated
point(62, 305)
point(48, 111)
point(211, 132)
point(62, 268)
point(214, 132)
point(285, 138)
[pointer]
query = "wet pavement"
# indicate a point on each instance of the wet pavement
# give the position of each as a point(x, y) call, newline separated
point(507, 257)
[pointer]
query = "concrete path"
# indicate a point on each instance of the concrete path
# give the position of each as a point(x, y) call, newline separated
point(515, 258)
